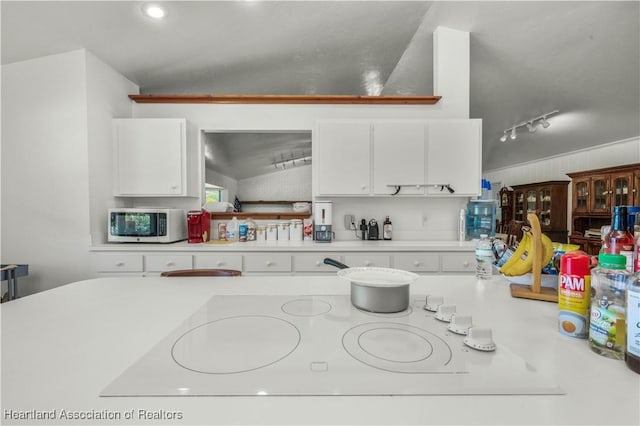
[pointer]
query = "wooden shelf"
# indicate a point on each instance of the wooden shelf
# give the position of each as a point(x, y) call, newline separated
point(284, 99)
point(261, 215)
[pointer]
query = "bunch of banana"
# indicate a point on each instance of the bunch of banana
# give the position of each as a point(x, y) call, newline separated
point(521, 262)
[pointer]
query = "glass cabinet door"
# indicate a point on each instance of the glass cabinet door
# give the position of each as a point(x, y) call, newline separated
point(545, 207)
point(600, 194)
point(581, 196)
point(519, 206)
point(532, 201)
point(621, 190)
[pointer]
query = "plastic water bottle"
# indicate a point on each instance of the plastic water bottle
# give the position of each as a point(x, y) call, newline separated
point(484, 258)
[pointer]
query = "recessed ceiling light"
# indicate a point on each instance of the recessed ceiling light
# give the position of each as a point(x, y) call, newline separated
point(154, 10)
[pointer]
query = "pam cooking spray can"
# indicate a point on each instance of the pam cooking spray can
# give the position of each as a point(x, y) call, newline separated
point(574, 287)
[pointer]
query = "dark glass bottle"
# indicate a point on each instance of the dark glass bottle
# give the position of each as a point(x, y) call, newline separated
point(386, 229)
point(619, 240)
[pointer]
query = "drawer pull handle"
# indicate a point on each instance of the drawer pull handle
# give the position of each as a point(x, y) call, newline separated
point(120, 263)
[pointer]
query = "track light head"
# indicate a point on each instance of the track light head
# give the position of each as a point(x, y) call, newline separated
point(531, 127)
point(544, 122)
point(504, 137)
point(513, 133)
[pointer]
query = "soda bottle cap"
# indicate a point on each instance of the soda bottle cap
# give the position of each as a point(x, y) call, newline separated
point(612, 261)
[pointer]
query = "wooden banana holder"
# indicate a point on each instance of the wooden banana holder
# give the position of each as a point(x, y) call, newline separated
point(535, 290)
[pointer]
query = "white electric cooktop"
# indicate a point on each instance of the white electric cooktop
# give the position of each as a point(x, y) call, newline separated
point(321, 345)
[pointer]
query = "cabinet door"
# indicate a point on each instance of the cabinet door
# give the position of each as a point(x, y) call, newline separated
point(531, 199)
point(343, 158)
point(600, 194)
point(398, 157)
point(620, 189)
point(581, 195)
point(544, 206)
point(518, 213)
point(454, 154)
point(150, 157)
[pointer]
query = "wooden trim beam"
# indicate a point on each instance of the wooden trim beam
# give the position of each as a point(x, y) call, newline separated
point(284, 99)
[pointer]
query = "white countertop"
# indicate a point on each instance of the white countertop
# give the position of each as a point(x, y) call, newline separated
point(310, 246)
point(61, 347)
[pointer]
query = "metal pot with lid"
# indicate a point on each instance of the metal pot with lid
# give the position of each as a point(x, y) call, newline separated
point(373, 289)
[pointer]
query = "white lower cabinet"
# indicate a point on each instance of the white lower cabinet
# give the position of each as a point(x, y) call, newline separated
point(218, 261)
point(379, 260)
point(459, 262)
point(313, 262)
point(167, 262)
point(267, 262)
point(417, 262)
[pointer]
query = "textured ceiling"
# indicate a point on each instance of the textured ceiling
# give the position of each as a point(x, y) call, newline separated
point(527, 58)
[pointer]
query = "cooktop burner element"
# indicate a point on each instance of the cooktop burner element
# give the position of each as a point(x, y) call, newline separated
point(235, 345)
point(320, 345)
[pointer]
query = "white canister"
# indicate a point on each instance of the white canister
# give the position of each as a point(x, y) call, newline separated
point(295, 230)
point(283, 231)
point(261, 234)
point(272, 232)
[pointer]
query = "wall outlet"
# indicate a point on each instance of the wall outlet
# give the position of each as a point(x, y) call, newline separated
point(349, 222)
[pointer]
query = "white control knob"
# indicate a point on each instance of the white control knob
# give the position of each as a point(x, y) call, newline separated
point(480, 339)
point(445, 312)
point(460, 324)
point(432, 303)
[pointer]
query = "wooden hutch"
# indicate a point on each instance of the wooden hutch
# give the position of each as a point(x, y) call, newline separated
point(594, 193)
point(548, 200)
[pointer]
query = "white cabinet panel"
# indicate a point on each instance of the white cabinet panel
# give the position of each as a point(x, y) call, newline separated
point(355, 260)
point(218, 261)
point(398, 157)
point(343, 156)
point(454, 155)
point(167, 262)
point(150, 157)
point(417, 262)
point(459, 262)
point(267, 263)
point(313, 263)
point(117, 262)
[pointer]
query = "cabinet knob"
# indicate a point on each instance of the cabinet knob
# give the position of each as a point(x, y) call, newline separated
point(268, 263)
point(120, 263)
point(363, 187)
point(170, 263)
point(367, 263)
point(219, 263)
point(465, 263)
point(416, 263)
point(318, 263)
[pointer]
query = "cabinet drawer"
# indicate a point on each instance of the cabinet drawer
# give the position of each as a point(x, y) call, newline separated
point(214, 261)
point(167, 262)
point(355, 260)
point(312, 263)
point(419, 262)
point(115, 262)
point(459, 262)
point(267, 263)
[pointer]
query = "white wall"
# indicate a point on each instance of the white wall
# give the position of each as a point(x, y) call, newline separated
point(290, 184)
point(55, 112)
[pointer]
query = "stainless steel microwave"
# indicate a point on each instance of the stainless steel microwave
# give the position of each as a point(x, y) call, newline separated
point(146, 225)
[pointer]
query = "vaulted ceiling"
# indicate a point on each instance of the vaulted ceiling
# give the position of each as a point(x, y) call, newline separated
point(527, 58)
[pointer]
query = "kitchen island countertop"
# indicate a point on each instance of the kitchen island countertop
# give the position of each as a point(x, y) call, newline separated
point(295, 246)
point(61, 347)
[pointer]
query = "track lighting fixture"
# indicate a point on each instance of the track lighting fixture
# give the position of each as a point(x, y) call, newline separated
point(531, 125)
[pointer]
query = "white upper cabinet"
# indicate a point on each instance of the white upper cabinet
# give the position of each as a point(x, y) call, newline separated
point(150, 157)
point(398, 157)
point(454, 156)
point(343, 156)
point(418, 157)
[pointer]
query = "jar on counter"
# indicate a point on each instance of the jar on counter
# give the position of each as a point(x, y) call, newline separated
point(633, 324)
point(607, 330)
point(261, 234)
point(295, 230)
point(251, 230)
point(283, 231)
point(272, 232)
point(242, 232)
